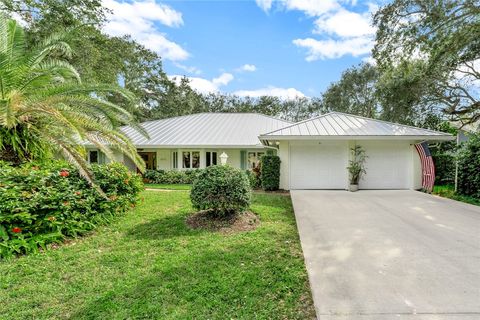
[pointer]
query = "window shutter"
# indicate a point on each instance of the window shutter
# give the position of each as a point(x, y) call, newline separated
point(101, 157)
point(243, 159)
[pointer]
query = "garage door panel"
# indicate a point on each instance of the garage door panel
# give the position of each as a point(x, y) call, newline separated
point(387, 166)
point(318, 165)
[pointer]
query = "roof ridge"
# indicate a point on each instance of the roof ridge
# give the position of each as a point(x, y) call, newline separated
point(300, 122)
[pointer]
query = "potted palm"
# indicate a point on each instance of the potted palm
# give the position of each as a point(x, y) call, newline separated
point(356, 167)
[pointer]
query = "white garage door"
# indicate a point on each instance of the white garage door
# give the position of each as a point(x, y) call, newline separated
point(315, 165)
point(387, 165)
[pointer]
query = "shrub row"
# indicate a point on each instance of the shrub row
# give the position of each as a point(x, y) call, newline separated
point(45, 203)
point(171, 176)
point(469, 167)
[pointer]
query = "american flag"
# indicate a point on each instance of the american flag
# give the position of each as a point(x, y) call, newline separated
point(428, 168)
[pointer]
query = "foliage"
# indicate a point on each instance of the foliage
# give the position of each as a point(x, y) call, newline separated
point(357, 165)
point(45, 107)
point(143, 265)
point(172, 176)
point(468, 167)
point(448, 191)
point(440, 40)
point(254, 176)
point(222, 189)
point(270, 172)
point(45, 203)
point(355, 92)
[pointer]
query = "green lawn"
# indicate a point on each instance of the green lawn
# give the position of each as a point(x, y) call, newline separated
point(168, 186)
point(448, 191)
point(149, 265)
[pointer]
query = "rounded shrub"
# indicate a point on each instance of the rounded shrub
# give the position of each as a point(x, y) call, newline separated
point(469, 167)
point(47, 202)
point(222, 189)
point(270, 172)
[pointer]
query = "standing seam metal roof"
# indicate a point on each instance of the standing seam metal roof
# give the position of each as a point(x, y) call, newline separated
point(206, 129)
point(341, 124)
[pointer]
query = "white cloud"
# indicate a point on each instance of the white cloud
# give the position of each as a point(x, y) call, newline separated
point(312, 7)
point(247, 67)
point(332, 49)
point(265, 5)
point(204, 85)
point(345, 23)
point(223, 79)
point(340, 31)
point(139, 18)
point(282, 93)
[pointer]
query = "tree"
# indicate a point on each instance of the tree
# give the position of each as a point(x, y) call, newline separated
point(445, 36)
point(354, 93)
point(45, 108)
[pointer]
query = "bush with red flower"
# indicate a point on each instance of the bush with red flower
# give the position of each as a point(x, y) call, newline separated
point(42, 204)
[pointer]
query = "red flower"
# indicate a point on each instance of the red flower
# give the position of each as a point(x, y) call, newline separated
point(66, 203)
point(17, 230)
point(78, 193)
point(64, 173)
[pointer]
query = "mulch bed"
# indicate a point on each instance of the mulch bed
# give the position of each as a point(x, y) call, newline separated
point(245, 221)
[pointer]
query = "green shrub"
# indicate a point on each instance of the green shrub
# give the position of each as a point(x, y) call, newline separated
point(44, 203)
point(270, 172)
point(171, 176)
point(254, 177)
point(222, 189)
point(444, 168)
point(469, 167)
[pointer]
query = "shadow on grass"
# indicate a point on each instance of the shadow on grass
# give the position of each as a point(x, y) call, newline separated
point(166, 227)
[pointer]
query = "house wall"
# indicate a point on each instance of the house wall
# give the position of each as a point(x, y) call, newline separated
point(164, 156)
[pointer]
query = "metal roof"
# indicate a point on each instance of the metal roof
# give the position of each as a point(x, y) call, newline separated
point(336, 125)
point(206, 129)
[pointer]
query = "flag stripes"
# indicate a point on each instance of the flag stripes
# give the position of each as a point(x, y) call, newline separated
point(428, 168)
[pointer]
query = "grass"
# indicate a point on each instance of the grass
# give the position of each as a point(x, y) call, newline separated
point(169, 186)
point(448, 191)
point(149, 265)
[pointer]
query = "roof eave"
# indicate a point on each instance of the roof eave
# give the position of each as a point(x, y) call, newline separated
point(345, 137)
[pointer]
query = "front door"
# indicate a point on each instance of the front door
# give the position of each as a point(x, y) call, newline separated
point(150, 159)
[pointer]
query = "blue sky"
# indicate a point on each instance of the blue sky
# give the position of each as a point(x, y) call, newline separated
point(286, 48)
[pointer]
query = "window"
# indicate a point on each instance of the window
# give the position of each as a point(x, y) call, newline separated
point(93, 157)
point(253, 159)
point(211, 158)
point(175, 160)
point(191, 159)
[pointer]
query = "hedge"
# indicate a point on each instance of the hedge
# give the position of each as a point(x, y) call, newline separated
point(171, 176)
point(270, 172)
point(221, 189)
point(469, 167)
point(46, 203)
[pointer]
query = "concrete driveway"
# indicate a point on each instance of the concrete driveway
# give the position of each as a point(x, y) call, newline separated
point(390, 254)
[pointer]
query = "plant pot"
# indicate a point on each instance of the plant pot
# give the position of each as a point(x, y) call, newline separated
point(353, 187)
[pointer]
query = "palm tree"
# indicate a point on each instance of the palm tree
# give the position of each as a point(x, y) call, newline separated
point(45, 109)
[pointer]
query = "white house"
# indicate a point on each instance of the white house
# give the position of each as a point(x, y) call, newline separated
point(314, 153)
